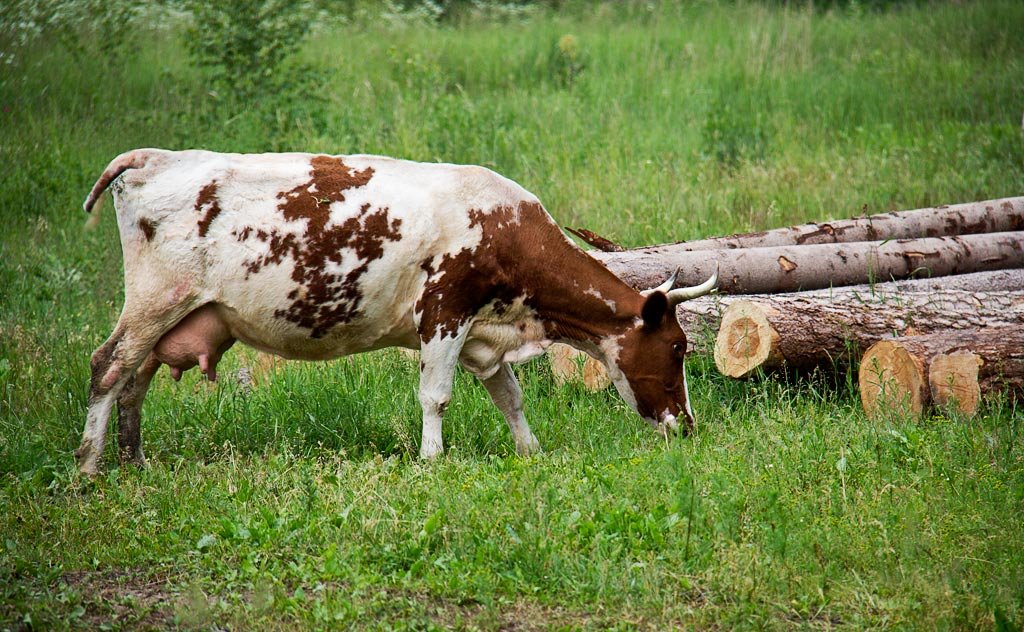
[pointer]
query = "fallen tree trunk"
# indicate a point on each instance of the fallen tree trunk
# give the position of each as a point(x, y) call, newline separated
point(945, 369)
point(704, 314)
point(991, 216)
point(790, 268)
point(806, 329)
point(701, 317)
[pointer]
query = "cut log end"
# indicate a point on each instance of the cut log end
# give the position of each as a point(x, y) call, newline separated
point(892, 379)
point(953, 380)
point(570, 365)
point(746, 340)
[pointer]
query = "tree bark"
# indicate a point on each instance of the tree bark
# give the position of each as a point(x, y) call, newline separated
point(701, 317)
point(991, 216)
point(944, 369)
point(791, 268)
point(807, 329)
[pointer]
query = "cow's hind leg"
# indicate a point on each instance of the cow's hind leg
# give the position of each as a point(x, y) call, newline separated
point(438, 360)
point(129, 412)
point(113, 365)
point(508, 397)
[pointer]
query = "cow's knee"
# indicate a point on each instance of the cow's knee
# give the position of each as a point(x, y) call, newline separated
point(434, 405)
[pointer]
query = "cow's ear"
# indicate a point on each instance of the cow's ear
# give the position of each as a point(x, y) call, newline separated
point(654, 309)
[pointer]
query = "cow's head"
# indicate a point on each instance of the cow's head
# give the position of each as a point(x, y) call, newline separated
point(646, 360)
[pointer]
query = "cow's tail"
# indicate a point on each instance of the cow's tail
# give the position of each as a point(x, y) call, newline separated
point(135, 159)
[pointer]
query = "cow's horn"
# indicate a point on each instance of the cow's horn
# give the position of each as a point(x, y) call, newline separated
point(686, 293)
point(664, 287)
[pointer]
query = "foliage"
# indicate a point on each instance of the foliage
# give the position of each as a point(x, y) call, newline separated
point(73, 23)
point(567, 60)
point(461, 10)
point(297, 502)
point(737, 122)
point(244, 44)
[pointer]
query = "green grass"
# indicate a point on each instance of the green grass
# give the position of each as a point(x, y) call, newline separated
point(300, 503)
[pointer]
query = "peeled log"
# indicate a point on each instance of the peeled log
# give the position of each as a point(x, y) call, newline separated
point(807, 329)
point(700, 318)
point(943, 369)
point(791, 268)
point(991, 216)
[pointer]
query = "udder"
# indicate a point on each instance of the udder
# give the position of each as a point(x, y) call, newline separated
point(200, 339)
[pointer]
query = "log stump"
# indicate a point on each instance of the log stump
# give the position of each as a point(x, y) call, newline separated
point(953, 369)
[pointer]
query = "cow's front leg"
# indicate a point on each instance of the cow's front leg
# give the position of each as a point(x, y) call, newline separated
point(438, 359)
point(508, 397)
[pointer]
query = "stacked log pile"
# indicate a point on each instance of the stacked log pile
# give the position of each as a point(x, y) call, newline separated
point(806, 295)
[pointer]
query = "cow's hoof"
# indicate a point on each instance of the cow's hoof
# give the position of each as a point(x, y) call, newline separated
point(87, 461)
point(89, 470)
point(430, 452)
point(134, 457)
point(529, 447)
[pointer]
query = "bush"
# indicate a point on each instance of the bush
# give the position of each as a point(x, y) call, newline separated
point(71, 22)
point(244, 44)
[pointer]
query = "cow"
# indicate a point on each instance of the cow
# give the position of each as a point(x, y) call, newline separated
point(314, 257)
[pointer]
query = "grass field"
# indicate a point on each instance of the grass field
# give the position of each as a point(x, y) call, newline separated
point(300, 503)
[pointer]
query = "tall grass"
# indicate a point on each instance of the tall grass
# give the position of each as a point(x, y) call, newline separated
point(299, 503)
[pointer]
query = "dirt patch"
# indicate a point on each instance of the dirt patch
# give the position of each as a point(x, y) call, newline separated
point(524, 615)
point(127, 598)
point(136, 600)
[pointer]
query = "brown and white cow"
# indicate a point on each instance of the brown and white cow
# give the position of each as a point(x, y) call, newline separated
point(315, 257)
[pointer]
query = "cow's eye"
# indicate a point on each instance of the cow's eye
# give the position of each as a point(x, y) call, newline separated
point(679, 349)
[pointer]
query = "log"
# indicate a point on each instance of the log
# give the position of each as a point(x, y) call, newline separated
point(571, 365)
point(952, 369)
point(704, 314)
point(990, 216)
point(791, 268)
point(701, 317)
point(802, 330)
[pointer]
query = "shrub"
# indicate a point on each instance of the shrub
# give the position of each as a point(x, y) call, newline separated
point(244, 44)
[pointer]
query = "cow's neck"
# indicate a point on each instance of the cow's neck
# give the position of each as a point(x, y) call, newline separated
point(578, 300)
point(583, 304)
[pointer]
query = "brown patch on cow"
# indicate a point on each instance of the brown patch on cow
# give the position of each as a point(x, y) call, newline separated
point(148, 228)
point(207, 201)
point(496, 273)
point(323, 299)
point(312, 200)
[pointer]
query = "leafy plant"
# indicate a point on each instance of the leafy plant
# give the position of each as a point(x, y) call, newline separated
point(737, 127)
point(568, 59)
point(244, 45)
